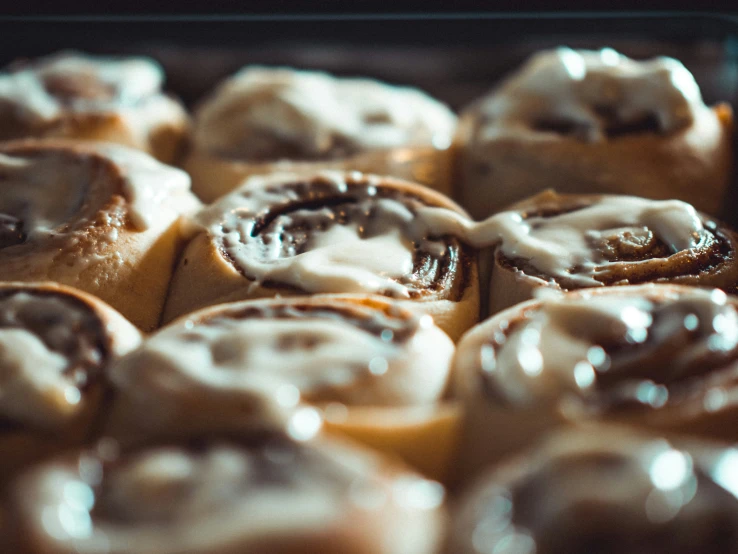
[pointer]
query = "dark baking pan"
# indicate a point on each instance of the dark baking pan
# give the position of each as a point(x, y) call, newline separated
point(454, 56)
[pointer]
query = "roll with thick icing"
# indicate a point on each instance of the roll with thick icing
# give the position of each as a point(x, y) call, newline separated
point(77, 96)
point(226, 495)
point(329, 233)
point(607, 491)
point(264, 119)
point(584, 121)
point(661, 357)
point(375, 371)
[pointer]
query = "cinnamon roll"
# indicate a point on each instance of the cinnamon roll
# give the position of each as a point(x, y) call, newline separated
point(224, 495)
point(662, 357)
point(77, 96)
point(55, 346)
point(568, 242)
point(329, 233)
point(595, 121)
point(605, 491)
point(376, 371)
point(102, 218)
point(264, 119)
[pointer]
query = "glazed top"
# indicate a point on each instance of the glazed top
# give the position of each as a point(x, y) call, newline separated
point(264, 114)
point(608, 350)
point(252, 362)
point(607, 492)
point(42, 90)
point(219, 495)
point(592, 96)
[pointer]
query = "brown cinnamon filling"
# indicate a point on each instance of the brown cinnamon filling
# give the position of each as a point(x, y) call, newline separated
point(635, 246)
point(316, 207)
point(265, 146)
point(612, 125)
point(78, 85)
point(383, 325)
point(11, 231)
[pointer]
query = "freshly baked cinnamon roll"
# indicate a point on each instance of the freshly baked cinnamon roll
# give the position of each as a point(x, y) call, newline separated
point(595, 121)
point(263, 119)
point(102, 218)
point(228, 496)
point(56, 344)
point(663, 357)
point(568, 242)
point(606, 492)
point(76, 96)
point(329, 233)
point(376, 371)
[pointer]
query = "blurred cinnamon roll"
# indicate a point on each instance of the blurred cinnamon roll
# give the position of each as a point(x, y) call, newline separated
point(102, 218)
point(568, 242)
point(663, 357)
point(376, 371)
point(56, 344)
point(224, 495)
point(77, 96)
point(264, 119)
point(595, 121)
point(605, 491)
point(329, 233)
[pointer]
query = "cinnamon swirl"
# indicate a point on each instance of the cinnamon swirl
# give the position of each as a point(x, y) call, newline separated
point(595, 121)
point(663, 357)
point(376, 371)
point(56, 344)
point(606, 491)
point(330, 233)
point(225, 495)
point(568, 242)
point(264, 119)
point(102, 218)
point(77, 96)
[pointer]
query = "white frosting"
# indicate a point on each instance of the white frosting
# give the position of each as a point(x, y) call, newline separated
point(570, 245)
point(226, 498)
point(150, 186)
point(565, 85)
point(36, 387)
point(50, 190)
point(371, 253)
point(120, 83)
point(278, 355)
point(263, 109)
point(563, 344)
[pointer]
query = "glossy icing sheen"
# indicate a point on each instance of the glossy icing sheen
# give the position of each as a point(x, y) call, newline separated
point(50, 189)
point(50, 349)
point(217, 497)
point(591, 92)
point(352, 235)
point(582, 246)
point(44, 90)
point(270, 113)
point(605, 493)
point(641, 346)
point(271, 356)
